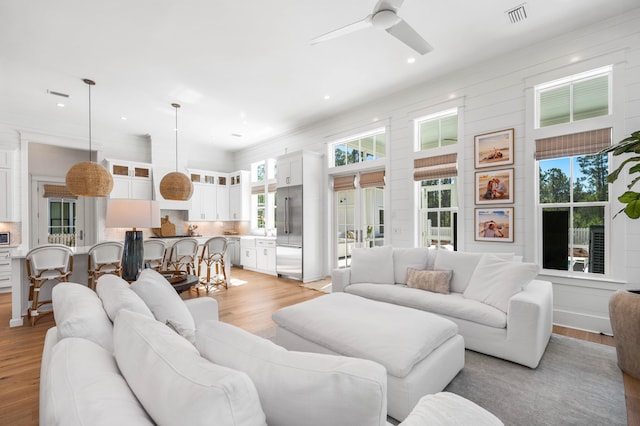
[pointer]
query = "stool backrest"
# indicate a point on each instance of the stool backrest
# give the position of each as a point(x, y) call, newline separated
point(215, 246)
point(154, 250)
point(49, 257)
point(105, 252)
point(184, 247)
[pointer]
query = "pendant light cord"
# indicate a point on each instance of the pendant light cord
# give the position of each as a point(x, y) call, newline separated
point(89, 83)
point(176, 106)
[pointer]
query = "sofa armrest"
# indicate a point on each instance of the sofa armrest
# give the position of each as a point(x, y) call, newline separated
point(50, 340)
point(530, 317)
point(202, 309)
point(340, 279)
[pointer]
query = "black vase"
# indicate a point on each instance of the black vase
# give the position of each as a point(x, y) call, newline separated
point(133, 255)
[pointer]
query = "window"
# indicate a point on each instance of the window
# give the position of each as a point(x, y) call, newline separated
point(62, 221)
point(438, 207)
point(574, 98)
point(573, 200)
point(437, 130)
point(358, 149)
point(258, 171)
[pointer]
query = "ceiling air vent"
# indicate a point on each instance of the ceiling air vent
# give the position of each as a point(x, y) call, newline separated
point(517, 14)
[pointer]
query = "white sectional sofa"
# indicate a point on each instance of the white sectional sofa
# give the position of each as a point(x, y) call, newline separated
point(140, 355)
point(498, 305)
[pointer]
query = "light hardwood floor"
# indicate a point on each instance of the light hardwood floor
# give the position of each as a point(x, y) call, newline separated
point(248, 304)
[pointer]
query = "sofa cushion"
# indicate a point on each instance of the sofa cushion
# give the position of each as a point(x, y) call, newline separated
point(447, 409)
point(116, 295)
point(435, 281)
point(312, 387)
point(404, 258)
point(462, 264)
point(164, 302)
point(79, 313)
point(495, 280)
point(174, 383)
point(452, 304)
point(372, 265)
point(83, 386)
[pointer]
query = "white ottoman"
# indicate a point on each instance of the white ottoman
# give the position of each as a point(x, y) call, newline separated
point(422, 352)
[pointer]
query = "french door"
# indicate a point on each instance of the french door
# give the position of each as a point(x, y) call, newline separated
point(359, 216)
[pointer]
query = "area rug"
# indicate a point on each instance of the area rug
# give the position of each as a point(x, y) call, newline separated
point(318, 286)
point(576, 383)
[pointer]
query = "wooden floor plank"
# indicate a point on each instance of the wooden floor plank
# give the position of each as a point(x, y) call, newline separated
point(248, 306)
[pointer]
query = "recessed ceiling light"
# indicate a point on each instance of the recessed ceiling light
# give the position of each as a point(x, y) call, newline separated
point(327, 97)
point(411, 60)
point(60, 104)
point(123, 118)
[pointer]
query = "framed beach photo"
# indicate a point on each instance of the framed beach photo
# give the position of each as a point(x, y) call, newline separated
point(494, 149)
point(494, 186)
point(494, 225)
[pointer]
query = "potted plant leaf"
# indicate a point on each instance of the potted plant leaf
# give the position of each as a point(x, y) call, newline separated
point(630, 145)
point(624, 305)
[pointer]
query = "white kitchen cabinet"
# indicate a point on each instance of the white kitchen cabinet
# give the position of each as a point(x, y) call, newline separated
point(5, 269)
point(266, 256)
point(233, 251)
point(290, 170)
point(7, 201)
point(240, 196)
point(248, 253)
point(222, 197)
point(131, 180)
point(203, 202)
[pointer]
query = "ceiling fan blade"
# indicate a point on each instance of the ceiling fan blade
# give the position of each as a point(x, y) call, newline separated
point(356, 26)
point(388, 5)
point(403, 32)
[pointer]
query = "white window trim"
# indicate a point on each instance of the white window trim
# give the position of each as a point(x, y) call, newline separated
point(353, 137)
point(431, 117)
point(420, 115)
point(615, 259)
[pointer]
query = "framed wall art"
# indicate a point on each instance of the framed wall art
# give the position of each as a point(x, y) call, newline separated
point(494, 149)
point(494, 186)
point(494, 224)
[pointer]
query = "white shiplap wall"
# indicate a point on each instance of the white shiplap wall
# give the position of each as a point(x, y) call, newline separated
point(494, 95)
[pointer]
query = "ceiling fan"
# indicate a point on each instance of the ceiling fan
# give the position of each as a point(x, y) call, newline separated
point(384, 16)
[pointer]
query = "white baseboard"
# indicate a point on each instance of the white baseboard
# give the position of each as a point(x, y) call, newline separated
point(582, 321)
point(16, 322)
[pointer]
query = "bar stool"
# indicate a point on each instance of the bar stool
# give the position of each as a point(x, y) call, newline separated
point(154, 252)
point(213, 253)
point(183, 255)
point(50, 262)
point(104, 258)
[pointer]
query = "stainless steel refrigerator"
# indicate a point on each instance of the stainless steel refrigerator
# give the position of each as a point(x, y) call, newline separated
point(289, 237)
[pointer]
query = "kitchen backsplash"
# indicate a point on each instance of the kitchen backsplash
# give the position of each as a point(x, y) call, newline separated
point(15, 228)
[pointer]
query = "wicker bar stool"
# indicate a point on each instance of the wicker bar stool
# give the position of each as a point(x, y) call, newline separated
point(104, 258)
point(51, 262)
point(213, 253)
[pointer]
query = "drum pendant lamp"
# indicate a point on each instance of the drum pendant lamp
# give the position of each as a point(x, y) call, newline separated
point(175, 185)
point(89, 179)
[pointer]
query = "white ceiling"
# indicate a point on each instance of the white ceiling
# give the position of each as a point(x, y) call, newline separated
point(242, 66)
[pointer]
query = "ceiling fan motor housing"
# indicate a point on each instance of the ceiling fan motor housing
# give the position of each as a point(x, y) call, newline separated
point(385, 19)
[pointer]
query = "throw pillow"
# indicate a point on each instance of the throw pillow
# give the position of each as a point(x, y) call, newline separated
point(314, 389)
point(174, 384)
point(163, 301)
point(372, 265)
point(83, 386)
point(116, 295)
point(404, 258)
point(79, 313)
point(435, 281)
point(462, 264)
point(496, 280)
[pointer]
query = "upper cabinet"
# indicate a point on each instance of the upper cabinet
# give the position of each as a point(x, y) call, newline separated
point(290, 170)
point(131, 180)
point(240, 196)
point(7, 201)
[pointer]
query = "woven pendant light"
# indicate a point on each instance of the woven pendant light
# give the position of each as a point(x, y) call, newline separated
point(89, 179)
point(175, 185)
